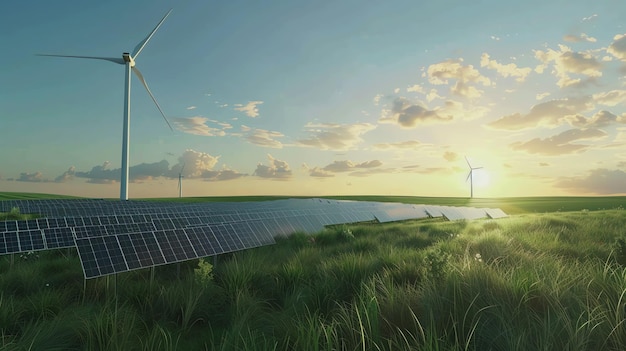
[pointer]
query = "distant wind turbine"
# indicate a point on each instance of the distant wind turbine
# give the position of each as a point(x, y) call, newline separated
point(180, 181)
point(128, 60)
point(470, 176)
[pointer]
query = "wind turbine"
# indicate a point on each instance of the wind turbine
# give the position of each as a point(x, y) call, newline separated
point(470, 176)
point(180, 181)
point(128, 60)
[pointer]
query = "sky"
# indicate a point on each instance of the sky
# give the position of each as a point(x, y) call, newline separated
point(317, 98)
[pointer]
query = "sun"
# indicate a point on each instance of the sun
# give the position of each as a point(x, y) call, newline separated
point(481, 178)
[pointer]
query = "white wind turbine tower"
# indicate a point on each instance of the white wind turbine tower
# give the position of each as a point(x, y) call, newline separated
point(180, 181)
point(128, 60)
point(470, 176)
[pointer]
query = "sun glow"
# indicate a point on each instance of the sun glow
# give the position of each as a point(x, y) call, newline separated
point(481, 178)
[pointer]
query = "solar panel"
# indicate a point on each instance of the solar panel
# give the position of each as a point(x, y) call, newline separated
point(495, 213)
point(118, 236)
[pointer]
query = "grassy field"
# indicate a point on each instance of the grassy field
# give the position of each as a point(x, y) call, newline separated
point(535, 281)
point(511, 205)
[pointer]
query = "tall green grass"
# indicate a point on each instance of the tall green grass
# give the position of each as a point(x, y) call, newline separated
point(530, 282)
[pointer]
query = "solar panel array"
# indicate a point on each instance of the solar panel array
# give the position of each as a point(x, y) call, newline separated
point(120, 236)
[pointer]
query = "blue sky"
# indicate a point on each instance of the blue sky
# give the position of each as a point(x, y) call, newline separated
point(317, 98)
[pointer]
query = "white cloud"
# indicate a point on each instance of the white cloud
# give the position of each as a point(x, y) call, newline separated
point(560, 144)
point(618, 47)
point(415, 89)
point(410, 115)
point(199, 126)
point(31, 177)
point(432, 95)
point(590, 17)
point(578, 38)
point(262, 137)
point(250, 109)
point(276, 169)
point(401, 145)
point(376, 99)
point(600, 119)
point(542, 96)
point(67, 175)
point(191, 107)
point(566, 62)
point(549, 114)
point(331, 136)
point(464, 75)
point(507, 70)
point(193, 164)
point(599, 181)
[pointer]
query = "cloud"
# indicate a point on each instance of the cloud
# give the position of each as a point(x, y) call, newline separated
point(194, 164)
point(440, 74)
point(141, 172)
point(331, 136)
point(31, 177)
point(221, 175)
point(618, 47)
point(600, 119)
point(250, 109)
point(318, 172)
point(401, 145)
point(599, 181)
point(410, 115)
point(415, 89)
point(356, 169)
point(148, 171)
point(450, 156)
point(590, 17)
point(67, 175)
point(191, 107)
point(559, 144)
point(610, 98)
point(549, 114)
point(276, 169)
point(348, 166)
point(508, 70)
point(566, 62)
point(541, 96)
point(432, 95)
point(262, 137)
point(199, 126)
point(376, 99)
point(100, 174)
point(578, 38)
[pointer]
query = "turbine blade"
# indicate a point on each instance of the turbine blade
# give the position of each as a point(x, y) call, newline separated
point(468, 176)
point(466, 160)
point(112, 59)
point(143, 43)
point(182, 169)
point(477, 168)
point(143, 81)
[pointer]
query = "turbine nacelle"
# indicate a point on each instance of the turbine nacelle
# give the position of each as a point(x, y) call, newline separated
point(127, 58)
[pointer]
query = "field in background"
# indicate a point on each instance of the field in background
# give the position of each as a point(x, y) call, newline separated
point(510, 205)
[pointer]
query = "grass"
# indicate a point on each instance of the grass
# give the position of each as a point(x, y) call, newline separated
point(511, 205)
point(552, 277)
point(532, 281)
